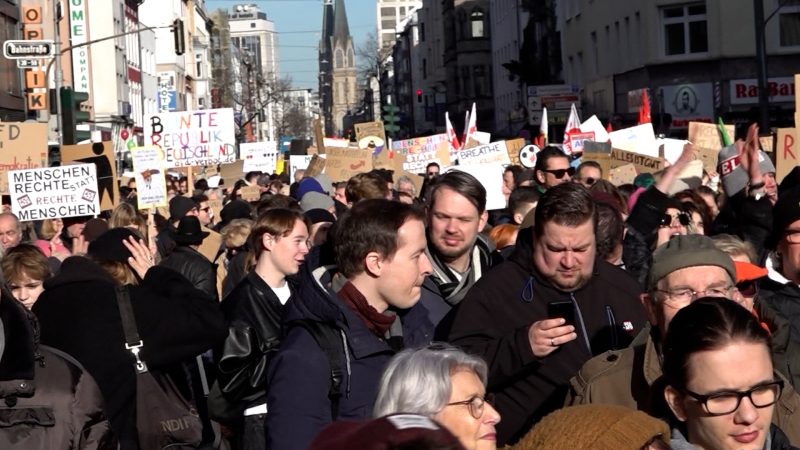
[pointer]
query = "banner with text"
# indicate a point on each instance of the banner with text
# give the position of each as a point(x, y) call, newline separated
point(54, 192)
point(417, 162)
point(148, 168)
point(101, 154)
point(496, 152)
point(259, 156)
point(22, 146)
point(343, 163)
point(193, 138)
point(418, 145)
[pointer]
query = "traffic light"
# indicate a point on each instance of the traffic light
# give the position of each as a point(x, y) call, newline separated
point(71, 116)
point(177, 33)
point(419, 95)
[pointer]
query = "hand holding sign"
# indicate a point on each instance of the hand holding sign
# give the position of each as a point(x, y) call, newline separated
point(748, 154)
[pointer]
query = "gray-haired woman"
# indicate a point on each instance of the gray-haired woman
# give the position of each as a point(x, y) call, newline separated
point(444, 383)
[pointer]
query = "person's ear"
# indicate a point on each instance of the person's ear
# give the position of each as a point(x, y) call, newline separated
point(268, 241)
point(648, 302)
point(373, 264)
point(539, 176)
point(482, 221)
point(518, 218)
point(675, 401)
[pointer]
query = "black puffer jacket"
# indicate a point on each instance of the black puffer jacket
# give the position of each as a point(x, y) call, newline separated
point(78, 313)
point(637, 247)
point(47, 400)
point(201, 272)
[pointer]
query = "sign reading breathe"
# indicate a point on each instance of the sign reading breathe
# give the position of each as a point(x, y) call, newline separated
point(53, 192)
point(193, 138)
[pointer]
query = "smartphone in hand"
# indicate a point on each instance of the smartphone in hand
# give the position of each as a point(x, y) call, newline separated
point(562, 310)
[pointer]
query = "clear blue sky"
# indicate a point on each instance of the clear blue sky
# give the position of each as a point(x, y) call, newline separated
point(298, 23)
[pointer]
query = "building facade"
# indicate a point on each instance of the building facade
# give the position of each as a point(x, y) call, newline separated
point(337, 62)
point(389, 14)
point(508, 21)
point(12, 95)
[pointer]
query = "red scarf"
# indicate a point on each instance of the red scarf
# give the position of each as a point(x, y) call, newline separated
point(376, 322)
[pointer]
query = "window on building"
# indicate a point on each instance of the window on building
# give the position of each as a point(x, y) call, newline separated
point(685, 29)
point(422, 32)
point(351, 60)
point(479, 79)
point(198, 60)
point(476, 21)
point(789, 23)
point(338, 58)
point(465, 82)
point(424, 68)
point(402, 12)
point(387, 12)
point(388, 24)
point(595, 53)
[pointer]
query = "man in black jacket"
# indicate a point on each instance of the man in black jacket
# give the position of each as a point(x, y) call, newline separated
point(533, 352)
point(186, 260)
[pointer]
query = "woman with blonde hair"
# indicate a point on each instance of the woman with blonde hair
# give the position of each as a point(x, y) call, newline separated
point(50, 243)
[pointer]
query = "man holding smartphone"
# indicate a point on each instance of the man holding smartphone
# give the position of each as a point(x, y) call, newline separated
point(539, 316)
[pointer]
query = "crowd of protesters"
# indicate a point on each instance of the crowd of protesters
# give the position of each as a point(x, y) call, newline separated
point(370, 313)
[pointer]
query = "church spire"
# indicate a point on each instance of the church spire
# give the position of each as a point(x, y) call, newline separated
point(341, 31)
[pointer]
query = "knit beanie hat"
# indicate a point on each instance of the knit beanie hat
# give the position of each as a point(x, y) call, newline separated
point(315, 200)
point(390, 432)
point(307, 185)
point(324, 182)
point(687, 251)
point(594, 427)
point(734, 177)
point(109, 247)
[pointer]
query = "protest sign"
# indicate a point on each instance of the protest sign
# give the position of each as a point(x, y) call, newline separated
point(482, 138)
point(387, 159)
point(576, 140)
point(490, 175)
point(767, 143)
point(232, 172)
point(319, 137)
point(639, 139)
point(786, 152)
point(193, 138)
point(335, 142)
point(496, 152)
point(709, 157)
point(259, 156)
point(513, 146)
point(622, 174)
point(417, 145)
point(315, 166)
point(54, 192)
point(298, 162)
point(22, 146)
point(527, 156)
point(599, 152)
point(250, 193)
point(101, 154)
point(706, 135)
point(594, 125)
point(216, 207)
point(643, 163)
point(417, 162)
point(370, 135)
point(672, 148)
point(148, 167)
point(343, 163)
point(694, 169)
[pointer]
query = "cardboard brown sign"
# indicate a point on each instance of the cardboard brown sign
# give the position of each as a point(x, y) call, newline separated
point(622, 174)
point(319, 136)
point(707, 135)
point(315, 166)
point(514, 146)
point(370, 135)
point(232, 172)
point(388, 160)
point(708, 156)
point(786, 153)
point(22, 146)
point(343, 163)
point(643, 163)
point(599, 152)
point(102, 155)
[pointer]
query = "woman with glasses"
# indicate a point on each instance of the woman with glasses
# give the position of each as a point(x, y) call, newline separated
point(720, 382)
point(444, 383)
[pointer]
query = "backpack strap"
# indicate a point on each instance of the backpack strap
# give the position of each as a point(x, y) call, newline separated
point(133, 342)
point(330, 340)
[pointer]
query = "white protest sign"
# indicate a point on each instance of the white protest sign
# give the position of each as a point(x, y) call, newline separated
point(193, 138)
point(491, 177)
point(672, 148)
point(418, 162)
point(482, 137)
point(639, 139)
point(496, 152)
point(593, 124)
point(148, 167)
point(259, 156)
point(54, 192)
point(334, 142)
point(299, 162)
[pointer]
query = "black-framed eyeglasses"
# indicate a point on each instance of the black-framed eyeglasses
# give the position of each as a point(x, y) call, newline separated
point(475, 404)
point(726, 402)
point(559, 173)
point(668, 219)
point(589, 181)
point(207, 209)
point(682, 296)
point(748, 288)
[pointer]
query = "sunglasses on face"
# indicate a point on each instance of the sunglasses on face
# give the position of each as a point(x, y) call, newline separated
point(559, 173)
point(747, 288)
point(668, 219)
point(588, 181)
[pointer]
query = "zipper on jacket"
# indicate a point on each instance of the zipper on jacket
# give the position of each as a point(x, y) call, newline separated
point(581, 322)
point(612, 322)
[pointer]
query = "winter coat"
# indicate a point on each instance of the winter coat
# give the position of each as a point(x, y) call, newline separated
point(784, 298)
point(642, 226)
point(253, 313)
point(195, 267)
point(79, 315)
point(47, 400)
point(632, 377)
point(493, 322)
point(747, 218)
point(299, 376)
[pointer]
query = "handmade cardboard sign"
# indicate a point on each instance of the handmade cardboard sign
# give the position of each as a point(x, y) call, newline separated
point(786, 152)
point(622, 174)
point(193, 138)
point(297, 162)
point(22, 146)
point(232, 172)
point(496, 152)
point(706, 135)
point(319, 137)
point(148, 168)
point(643, 163)
point(250, 193)
point(343, 163)
point(387, 159)
point(315, 166)
point(577, 139)
point(54, 192)
point(709, 157)
point(259, 156)
point(670, 149)
point(416, 179)
point(513, 146)
point(639, 139)
point(101, 154)
point(767, 143)
point(370, 135)
point(417, 162)
point(416, 145)
point(599, 152)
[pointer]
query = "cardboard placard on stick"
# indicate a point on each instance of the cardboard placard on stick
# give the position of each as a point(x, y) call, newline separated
point(319, 136)
point(514, 146)
point(786, 153)
point(643, 163)
point(250, 193)
point(101, 154)
point(315, 166)
point(23, 145)
point(709, 157)
point(343, 163)
point(370, 135)
point(707, 135)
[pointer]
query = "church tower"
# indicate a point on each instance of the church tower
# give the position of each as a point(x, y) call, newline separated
point(343, 69)
point(325, 68)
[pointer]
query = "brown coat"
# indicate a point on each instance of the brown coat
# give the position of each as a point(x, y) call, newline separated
point(632, 377)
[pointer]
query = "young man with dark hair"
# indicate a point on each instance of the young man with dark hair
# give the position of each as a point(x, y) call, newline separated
point(539, 316)
point(588, 172)
point(521, 201)
point(552, 168)
point(372, 309)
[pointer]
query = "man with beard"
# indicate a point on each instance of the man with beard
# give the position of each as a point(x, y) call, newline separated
point(539, 316)
point(460, 255)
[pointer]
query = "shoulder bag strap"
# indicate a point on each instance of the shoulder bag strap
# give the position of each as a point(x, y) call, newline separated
point(133, 342)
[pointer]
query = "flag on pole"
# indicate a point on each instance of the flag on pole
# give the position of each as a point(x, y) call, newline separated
point(644, 110)
point(573, 126)
point(452, 137)
point(543, 127)
point(471, 125)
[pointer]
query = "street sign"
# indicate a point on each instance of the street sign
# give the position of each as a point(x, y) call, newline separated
point(27, 63)
point(16, 49)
